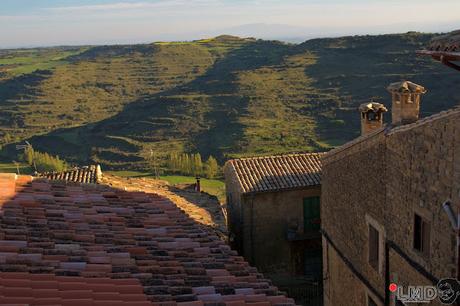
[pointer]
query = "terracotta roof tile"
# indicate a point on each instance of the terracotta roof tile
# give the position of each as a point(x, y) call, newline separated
point(272, 173)
point(91, 174)
point(448, 42)
point(91, 244)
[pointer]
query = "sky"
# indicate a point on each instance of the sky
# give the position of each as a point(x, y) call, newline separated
point(28, 23)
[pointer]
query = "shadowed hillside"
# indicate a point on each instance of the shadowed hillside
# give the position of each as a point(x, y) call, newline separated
point(225, 96)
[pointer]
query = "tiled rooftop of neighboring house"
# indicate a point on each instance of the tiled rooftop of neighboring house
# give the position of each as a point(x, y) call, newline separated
point(112, 244)
point(445, 47)
point(449, 42)
point(89, 174)
point(279, 172)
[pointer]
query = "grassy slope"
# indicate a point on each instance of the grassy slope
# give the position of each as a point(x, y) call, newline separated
point(226, 96)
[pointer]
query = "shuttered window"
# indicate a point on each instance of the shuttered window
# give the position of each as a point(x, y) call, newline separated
point(311, 214)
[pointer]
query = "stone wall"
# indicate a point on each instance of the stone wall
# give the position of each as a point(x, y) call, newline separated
point(353, 187)
point(351, 291)
point(385, 178)
point(266, 217)
point(233, 206)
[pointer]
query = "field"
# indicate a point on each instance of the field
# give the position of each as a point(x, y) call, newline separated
point(227, 97)
point(12, 168)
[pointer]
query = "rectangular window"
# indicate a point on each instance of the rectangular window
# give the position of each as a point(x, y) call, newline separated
point(374, 245)
point(421, 235)
point(311, 214)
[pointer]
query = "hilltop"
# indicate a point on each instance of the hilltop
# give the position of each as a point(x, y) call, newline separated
point(225, 96)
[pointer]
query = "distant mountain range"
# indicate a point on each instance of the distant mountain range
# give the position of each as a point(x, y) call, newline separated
point(226, 96)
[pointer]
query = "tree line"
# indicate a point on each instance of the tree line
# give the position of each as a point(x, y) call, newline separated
point(192, 164)
point(44, 162)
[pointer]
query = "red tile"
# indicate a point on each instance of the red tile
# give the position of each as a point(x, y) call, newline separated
point(99, 268)
point(130, 289)
point(193, 303)
point(253, 298)
point(217, 272)
point(133, 297)
point(76, 293)
point(16, 301)
point(15, 291)
point(110, 303)
point(236, 303)
point(44, 285)
point(106, 296)
point(77, 302)
point(45, 293)
point(47, 301)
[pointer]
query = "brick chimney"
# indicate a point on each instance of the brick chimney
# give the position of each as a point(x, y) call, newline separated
point(371, 116)
point(406, 102)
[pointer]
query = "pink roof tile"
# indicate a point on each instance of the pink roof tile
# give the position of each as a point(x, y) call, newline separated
point(77, 244)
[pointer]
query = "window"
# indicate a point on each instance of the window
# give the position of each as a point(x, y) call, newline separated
point(374, 247)
point(421, 235)
point(311, 214)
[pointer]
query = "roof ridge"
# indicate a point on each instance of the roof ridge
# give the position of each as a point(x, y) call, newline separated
point(426, 120)
point(278, 156)
point(276, 172)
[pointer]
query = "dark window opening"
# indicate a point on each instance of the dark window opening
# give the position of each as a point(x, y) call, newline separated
point(371, 116)
point(374, 244)
point(421, 235)
point(311, 214)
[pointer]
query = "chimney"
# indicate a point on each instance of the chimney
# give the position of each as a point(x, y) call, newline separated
point(371, 116)
point(405, 106)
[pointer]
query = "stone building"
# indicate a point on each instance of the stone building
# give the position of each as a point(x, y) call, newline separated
point(273, 213)
point(382, 203)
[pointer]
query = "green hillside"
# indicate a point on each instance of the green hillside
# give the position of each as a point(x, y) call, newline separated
point(225, 96)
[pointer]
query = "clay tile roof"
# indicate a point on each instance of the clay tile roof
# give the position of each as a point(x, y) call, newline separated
point(89, 174)
point(273, 173)
point(372, 106)
point(86, 244)
point(406, 87)
point(448, 43)
point(444, 48)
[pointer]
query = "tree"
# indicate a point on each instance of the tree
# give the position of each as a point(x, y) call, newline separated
point(197, 164)
point(44, 161)
point(212, 167)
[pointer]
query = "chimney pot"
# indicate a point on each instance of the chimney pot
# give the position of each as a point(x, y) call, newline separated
point(405, 102)
point(371, 116)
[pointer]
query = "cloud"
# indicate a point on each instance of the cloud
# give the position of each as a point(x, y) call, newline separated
point(121, 6)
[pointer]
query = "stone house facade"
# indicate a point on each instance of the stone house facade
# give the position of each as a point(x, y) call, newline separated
point(382, 204)
point(273, 213)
